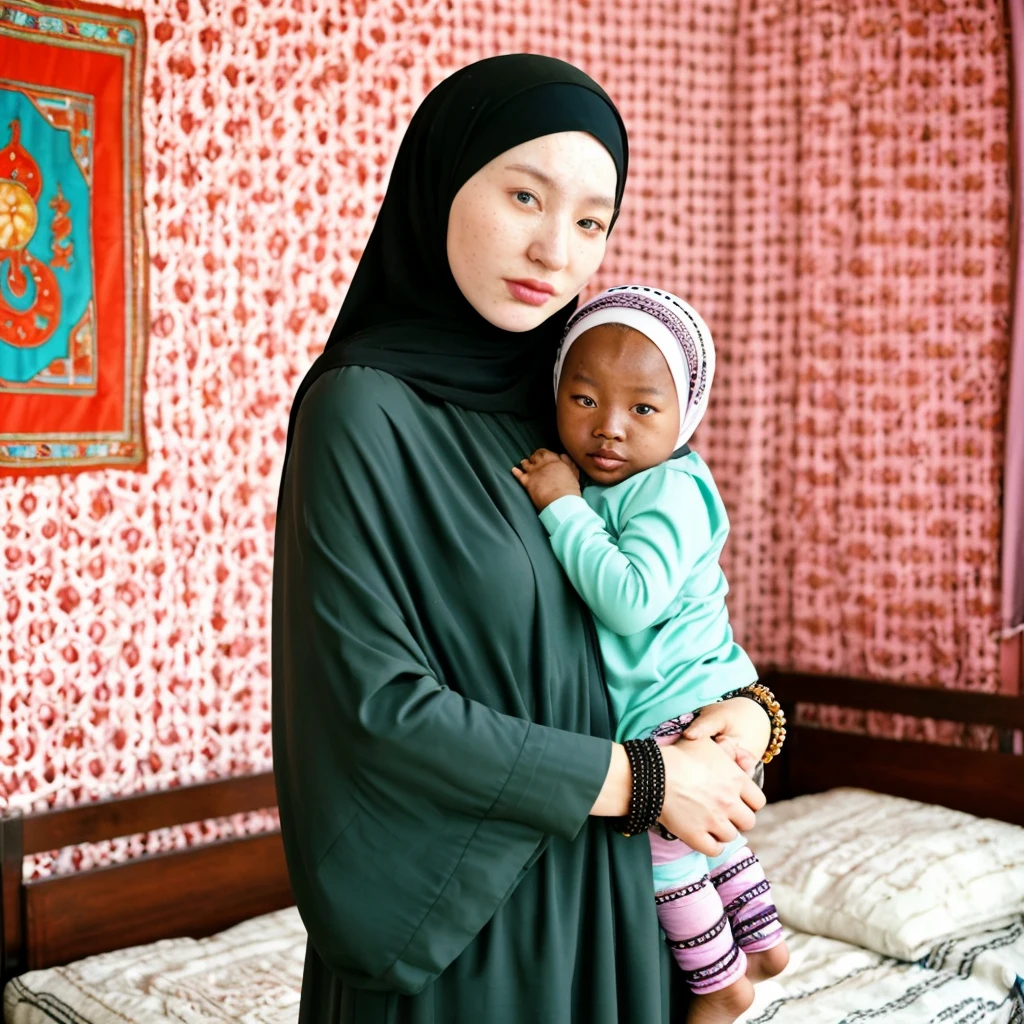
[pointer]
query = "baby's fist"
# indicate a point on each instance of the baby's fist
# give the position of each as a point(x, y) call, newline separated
point(547, 477)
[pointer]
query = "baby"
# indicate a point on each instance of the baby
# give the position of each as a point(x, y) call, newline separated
point(641, 546)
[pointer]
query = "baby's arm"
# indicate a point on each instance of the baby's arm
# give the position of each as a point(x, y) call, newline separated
point(629, 582)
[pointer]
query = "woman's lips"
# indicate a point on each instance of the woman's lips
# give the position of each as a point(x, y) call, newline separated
point(524, 293)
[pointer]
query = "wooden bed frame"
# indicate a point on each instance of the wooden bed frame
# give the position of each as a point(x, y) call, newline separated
point(988, 784)
point(201, 890)
point(194, 891)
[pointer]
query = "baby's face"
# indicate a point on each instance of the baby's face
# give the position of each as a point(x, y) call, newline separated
point(618, 412)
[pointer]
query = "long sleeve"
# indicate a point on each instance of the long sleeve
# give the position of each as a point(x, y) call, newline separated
point(630, 581)
point(409, 810)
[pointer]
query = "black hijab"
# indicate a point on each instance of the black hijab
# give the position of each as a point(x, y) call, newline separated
point(404, 313)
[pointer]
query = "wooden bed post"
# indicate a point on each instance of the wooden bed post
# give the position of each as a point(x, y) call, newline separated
point(12, 915)
point(777, 776)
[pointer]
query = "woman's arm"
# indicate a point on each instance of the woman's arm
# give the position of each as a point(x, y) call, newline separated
point(397, 726)
point(400, 724)
point(613, 800)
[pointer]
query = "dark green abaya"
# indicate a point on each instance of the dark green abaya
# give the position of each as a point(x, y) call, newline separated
point(444, 732)
point(441, 727)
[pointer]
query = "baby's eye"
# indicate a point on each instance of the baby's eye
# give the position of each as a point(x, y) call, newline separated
point(585, 400)
point(644, 410)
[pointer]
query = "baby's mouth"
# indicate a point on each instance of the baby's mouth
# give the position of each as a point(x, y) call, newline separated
point(606, 459)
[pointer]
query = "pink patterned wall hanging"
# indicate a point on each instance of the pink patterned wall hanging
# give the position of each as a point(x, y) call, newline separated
point(868, 338)
point(839, 220)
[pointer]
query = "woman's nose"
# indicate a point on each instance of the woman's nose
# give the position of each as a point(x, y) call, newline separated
point(551, 246)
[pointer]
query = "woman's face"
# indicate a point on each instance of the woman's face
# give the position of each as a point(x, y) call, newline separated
point(528, 230)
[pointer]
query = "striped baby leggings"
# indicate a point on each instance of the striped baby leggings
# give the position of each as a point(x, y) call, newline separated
point(713, 910)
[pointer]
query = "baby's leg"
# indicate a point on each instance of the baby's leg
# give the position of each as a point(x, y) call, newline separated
point(738, 877)
point(768, 963)
point(695, 923)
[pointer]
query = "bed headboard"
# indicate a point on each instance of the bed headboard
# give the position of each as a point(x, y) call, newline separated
point(203, 889)
point(194, 891)
point(987, 783)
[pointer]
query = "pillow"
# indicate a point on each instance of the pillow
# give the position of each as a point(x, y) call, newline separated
point(888, 874)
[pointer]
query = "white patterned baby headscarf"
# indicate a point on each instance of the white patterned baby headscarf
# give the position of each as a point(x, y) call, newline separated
point(672, 324)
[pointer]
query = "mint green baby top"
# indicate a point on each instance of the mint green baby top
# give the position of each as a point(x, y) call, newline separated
point(643, 554)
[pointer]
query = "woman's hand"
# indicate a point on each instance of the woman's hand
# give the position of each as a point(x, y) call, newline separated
point(744, 758)
point(708, 798)
point(547, 477)
point(740, 720)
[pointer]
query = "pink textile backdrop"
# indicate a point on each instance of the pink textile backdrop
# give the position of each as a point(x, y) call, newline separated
point(859, 429)
point(1013, 499)
point(829, 190)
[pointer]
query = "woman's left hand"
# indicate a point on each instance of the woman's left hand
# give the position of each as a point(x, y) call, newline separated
point(738, 720)
point(547, 477)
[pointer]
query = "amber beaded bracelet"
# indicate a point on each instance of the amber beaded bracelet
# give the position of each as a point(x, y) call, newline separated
point(760, 694)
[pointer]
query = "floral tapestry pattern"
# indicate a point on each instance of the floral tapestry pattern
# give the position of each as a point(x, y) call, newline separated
point(72, 248)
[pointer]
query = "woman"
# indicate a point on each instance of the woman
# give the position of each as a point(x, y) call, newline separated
point(441, 730)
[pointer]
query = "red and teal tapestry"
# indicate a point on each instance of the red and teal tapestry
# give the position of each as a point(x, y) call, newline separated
point(73, 315)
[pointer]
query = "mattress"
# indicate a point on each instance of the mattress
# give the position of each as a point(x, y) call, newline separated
point(895, 913)
point(252, 973)
point(970, 980)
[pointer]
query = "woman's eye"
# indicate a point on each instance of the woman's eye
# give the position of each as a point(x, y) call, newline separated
point(586, 401)
point(594, 225)
point(521, 201)
point(644, 410)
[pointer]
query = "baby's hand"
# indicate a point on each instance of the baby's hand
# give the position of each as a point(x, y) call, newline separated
point(547, 477)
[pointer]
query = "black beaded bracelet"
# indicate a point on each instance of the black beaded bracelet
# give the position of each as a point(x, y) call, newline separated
point(648, 790)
